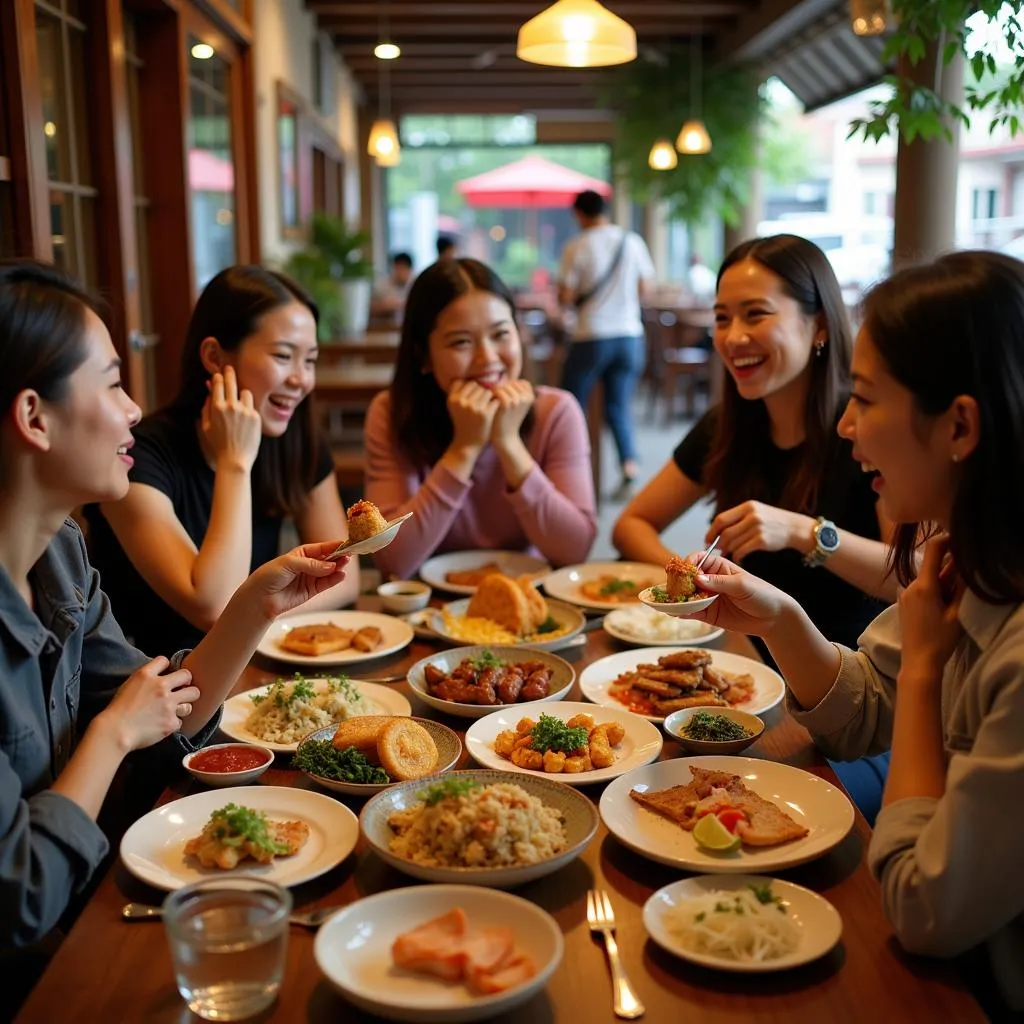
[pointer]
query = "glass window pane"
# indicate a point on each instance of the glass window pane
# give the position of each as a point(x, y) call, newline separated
point(211, 169)
point(86, 224)
point(80, 110)
point(51, 82)
point(63, 230)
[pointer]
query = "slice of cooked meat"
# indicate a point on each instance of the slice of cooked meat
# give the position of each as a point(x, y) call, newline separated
point(700, 699)
point(769, 825)
point(715, 678)
point(685, 659)
point(684, 678)
point(654, 686)
point(678, 803)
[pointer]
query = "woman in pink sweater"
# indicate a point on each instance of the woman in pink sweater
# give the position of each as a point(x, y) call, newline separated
point(483, 459)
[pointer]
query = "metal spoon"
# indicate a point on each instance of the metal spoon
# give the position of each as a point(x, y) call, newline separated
point(145, 912)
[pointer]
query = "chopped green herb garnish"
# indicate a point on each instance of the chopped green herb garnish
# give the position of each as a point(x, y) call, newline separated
point(452, 786)
point(283, 693)
point(700, 917)
point(319, 757)
point(764, 894)
point(709, 727)
point(617, 587)
point(485, 659)
point(552, 733)
point(660, 594)
point(549, 625)
point(234, 825)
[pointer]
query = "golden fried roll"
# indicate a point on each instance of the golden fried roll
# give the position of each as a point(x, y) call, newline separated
point(317, 638)
point(406, 750)
point(360, 732)
point(368, 638)
point(502, 601)
point(365, 520)
point(536, 606)
point(682, 578)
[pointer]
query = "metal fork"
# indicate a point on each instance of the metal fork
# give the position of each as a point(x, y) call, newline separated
point(307, 919)
point(601, 918)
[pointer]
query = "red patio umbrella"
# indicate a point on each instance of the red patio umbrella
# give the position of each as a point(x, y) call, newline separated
point(530, 183)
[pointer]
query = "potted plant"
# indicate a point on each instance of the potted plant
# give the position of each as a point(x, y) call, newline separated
point(338, 274)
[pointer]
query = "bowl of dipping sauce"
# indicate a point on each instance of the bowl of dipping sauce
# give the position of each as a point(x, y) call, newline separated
point(404, 595)
point(228, 764)
point(713, 730)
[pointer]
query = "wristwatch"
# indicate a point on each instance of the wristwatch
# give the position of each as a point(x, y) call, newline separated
point(826, 543)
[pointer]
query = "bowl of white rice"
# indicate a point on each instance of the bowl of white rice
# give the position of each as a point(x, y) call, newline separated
point(479, 827)
point(642, 625)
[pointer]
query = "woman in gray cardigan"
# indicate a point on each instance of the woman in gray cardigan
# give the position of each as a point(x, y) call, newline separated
point(937, 419)
point(75, 697)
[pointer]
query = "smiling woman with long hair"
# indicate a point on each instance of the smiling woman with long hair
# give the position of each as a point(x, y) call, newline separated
point(461, 439)
point(75, 697)
point(768, 454)
point(218, 471)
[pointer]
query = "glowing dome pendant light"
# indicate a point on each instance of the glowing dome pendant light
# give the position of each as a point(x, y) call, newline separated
point(869, 17)
point(383, 143)
point(576, 34)
point(663, 156)
point(693, 138)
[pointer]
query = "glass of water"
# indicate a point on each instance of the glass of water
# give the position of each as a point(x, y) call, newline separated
point(228, 938)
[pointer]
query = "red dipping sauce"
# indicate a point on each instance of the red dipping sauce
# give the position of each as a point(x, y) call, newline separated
point(228, 759)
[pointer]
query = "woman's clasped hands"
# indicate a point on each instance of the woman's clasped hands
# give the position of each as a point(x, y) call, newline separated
point(482, 415)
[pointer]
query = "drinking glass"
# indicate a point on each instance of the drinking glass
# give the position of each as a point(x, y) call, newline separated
point(228, 939)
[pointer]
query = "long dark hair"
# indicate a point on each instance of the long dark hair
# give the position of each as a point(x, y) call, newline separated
point(42, 328)
point(956, 327)
point(420, 425)
point(230, 309)
point(743, 432)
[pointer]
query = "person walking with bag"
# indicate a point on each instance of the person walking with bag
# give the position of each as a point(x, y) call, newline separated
point(604, 273)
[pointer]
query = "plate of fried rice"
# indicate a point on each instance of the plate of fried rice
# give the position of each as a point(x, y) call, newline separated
point(479, 827)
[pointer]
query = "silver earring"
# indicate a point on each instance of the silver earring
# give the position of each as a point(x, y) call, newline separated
point(819, 349)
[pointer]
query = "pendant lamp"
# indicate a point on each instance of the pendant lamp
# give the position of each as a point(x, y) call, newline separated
point(383, 143)
point(870, 17)
point(663, 156)
point(576, 34)
point(693, 138)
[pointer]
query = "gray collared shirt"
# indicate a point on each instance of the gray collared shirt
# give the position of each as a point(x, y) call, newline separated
point(949, 868)
point(59, 666)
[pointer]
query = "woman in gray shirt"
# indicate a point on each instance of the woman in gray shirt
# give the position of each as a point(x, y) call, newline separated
point(75, 697)
point(937, 418)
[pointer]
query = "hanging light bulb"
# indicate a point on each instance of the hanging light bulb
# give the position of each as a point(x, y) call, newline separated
point(693, 138)
point(663, 156)
point(576, 34)
point(387, 51)
point(870, 17)
point(383, 144)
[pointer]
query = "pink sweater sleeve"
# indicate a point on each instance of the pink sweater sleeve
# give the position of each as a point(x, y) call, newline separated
point(395, 489)
point(555, 503)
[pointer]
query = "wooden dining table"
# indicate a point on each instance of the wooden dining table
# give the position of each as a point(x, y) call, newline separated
point(108, 970)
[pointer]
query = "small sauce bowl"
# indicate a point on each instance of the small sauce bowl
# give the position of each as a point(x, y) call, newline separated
point(676, 722)
point(228, 764)
point(404, 595)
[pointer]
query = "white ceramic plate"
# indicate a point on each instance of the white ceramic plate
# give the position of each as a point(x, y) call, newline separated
point(596, 678)
point(641, 744)
point(397, 634)
point(371, 544)
point(353, 949)
point(819, 922)
point(641, 626)
point(563, 675)
point(564, 614)
point(513, 563)
point(682, 608)
point(449, 749)
point(823, 808)
point(238, 708)
point(578, 813)
point(564, 584)
point(153, 849)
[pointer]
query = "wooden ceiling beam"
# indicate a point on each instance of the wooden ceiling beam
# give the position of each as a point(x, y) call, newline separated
point(346, 29)
point(480, 9)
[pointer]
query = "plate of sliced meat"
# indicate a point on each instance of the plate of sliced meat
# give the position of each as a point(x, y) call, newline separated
point(334, 637)
point(655, 681)
point(783, 815)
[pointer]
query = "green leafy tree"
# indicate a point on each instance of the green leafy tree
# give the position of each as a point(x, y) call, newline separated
point(914, 110)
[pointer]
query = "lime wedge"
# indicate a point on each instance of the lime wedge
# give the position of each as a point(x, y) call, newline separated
point(711, 834)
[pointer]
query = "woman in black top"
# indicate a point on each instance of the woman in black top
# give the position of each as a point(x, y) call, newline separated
point(217, 472)
point(790, 503)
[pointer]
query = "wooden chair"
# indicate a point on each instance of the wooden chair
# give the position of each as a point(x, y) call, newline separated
point(679, 361)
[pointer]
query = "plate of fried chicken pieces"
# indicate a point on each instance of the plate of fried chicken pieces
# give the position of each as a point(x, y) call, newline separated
point(286, 835)
point(655, 681)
